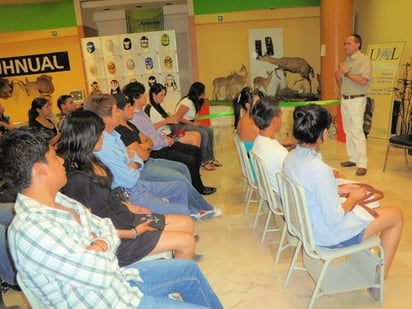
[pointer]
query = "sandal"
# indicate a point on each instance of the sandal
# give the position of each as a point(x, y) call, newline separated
point(216, 163)
point(208, 166)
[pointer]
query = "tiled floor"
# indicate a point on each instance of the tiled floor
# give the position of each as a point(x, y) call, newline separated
point(241, 269)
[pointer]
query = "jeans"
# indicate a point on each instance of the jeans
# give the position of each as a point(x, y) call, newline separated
point(207, 142)
point(163, 277)
point(165, 170)
point(162, 197)
point(189, 155)
point(7, 271)
point(156, 169)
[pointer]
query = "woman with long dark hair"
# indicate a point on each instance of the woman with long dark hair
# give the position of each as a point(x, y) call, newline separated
point(39, 116)
point(186, 111)
point(89, 181)
point(162, 120)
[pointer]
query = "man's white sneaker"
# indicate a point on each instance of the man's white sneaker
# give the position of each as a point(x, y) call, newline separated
point(217, 212)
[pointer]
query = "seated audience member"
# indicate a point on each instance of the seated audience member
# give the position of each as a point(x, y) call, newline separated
point(5, 124)
point(244, 124)
point(164, 147)
point(66, 255)
point(7, 270)
point(39, 117)
point(161, 119)
point(135, 140)
point(267, 115)
point(89, 182)
point(164, 197)
point(186, 111)
point(66, 105)
point(161, 197)
point(334, 223)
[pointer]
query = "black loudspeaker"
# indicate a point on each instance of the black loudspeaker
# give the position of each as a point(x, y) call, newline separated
point(269, 46)
point(258, 48)
point(395, 115)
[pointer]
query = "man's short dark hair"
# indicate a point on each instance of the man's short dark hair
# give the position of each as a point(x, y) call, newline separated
point(133, 91)
point(358, 39)
point(62, 100)
point(19, 150)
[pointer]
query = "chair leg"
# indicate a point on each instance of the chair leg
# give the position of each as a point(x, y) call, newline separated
point(292, 264)
point(386, 157)
point(258, 213)
point(265, 230)
point(319, 282)
point(281, 242)
point(405, 152)
point(248, 198)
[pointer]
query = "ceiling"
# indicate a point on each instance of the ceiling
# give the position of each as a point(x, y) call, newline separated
point(11, 2)
point(104, 5)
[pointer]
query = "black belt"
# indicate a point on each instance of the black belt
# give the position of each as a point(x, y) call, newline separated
point(353, 96)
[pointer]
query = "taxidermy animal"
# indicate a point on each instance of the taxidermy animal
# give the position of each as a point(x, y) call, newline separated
point(292, 65)
point(260, 82)
point(230, 83)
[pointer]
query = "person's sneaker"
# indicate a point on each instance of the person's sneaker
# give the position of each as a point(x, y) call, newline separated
point(175, 296)
point(217, 212)
point(203, 215)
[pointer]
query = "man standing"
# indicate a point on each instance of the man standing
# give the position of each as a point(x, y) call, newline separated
point(353, 78)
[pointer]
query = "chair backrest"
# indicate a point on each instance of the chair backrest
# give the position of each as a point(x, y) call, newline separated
point(265, 190)
point(244, 161)
point(296, 212)
point(35, 303)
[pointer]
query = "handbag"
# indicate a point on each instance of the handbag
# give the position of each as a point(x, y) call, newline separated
point(179, 132)
point(372, 195)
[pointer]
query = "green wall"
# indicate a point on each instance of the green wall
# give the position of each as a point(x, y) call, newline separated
point(221, 6)
point(28, 17)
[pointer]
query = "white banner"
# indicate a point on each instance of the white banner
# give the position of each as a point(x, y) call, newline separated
point(386, 59)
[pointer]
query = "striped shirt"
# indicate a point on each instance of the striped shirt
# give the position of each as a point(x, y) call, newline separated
point(49, 248)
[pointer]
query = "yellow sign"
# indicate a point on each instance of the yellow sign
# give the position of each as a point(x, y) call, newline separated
point(386, 58)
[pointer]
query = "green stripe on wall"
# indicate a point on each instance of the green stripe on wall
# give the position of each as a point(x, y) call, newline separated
point(28, 17)
point(221, 6)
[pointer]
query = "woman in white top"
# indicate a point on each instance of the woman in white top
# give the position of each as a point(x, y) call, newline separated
point(186, 111)
point(162, 120)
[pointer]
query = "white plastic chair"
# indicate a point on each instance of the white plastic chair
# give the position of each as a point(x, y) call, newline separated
point(353, 268)
point(273, 202)
point(247, 174)
point(34, 302)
